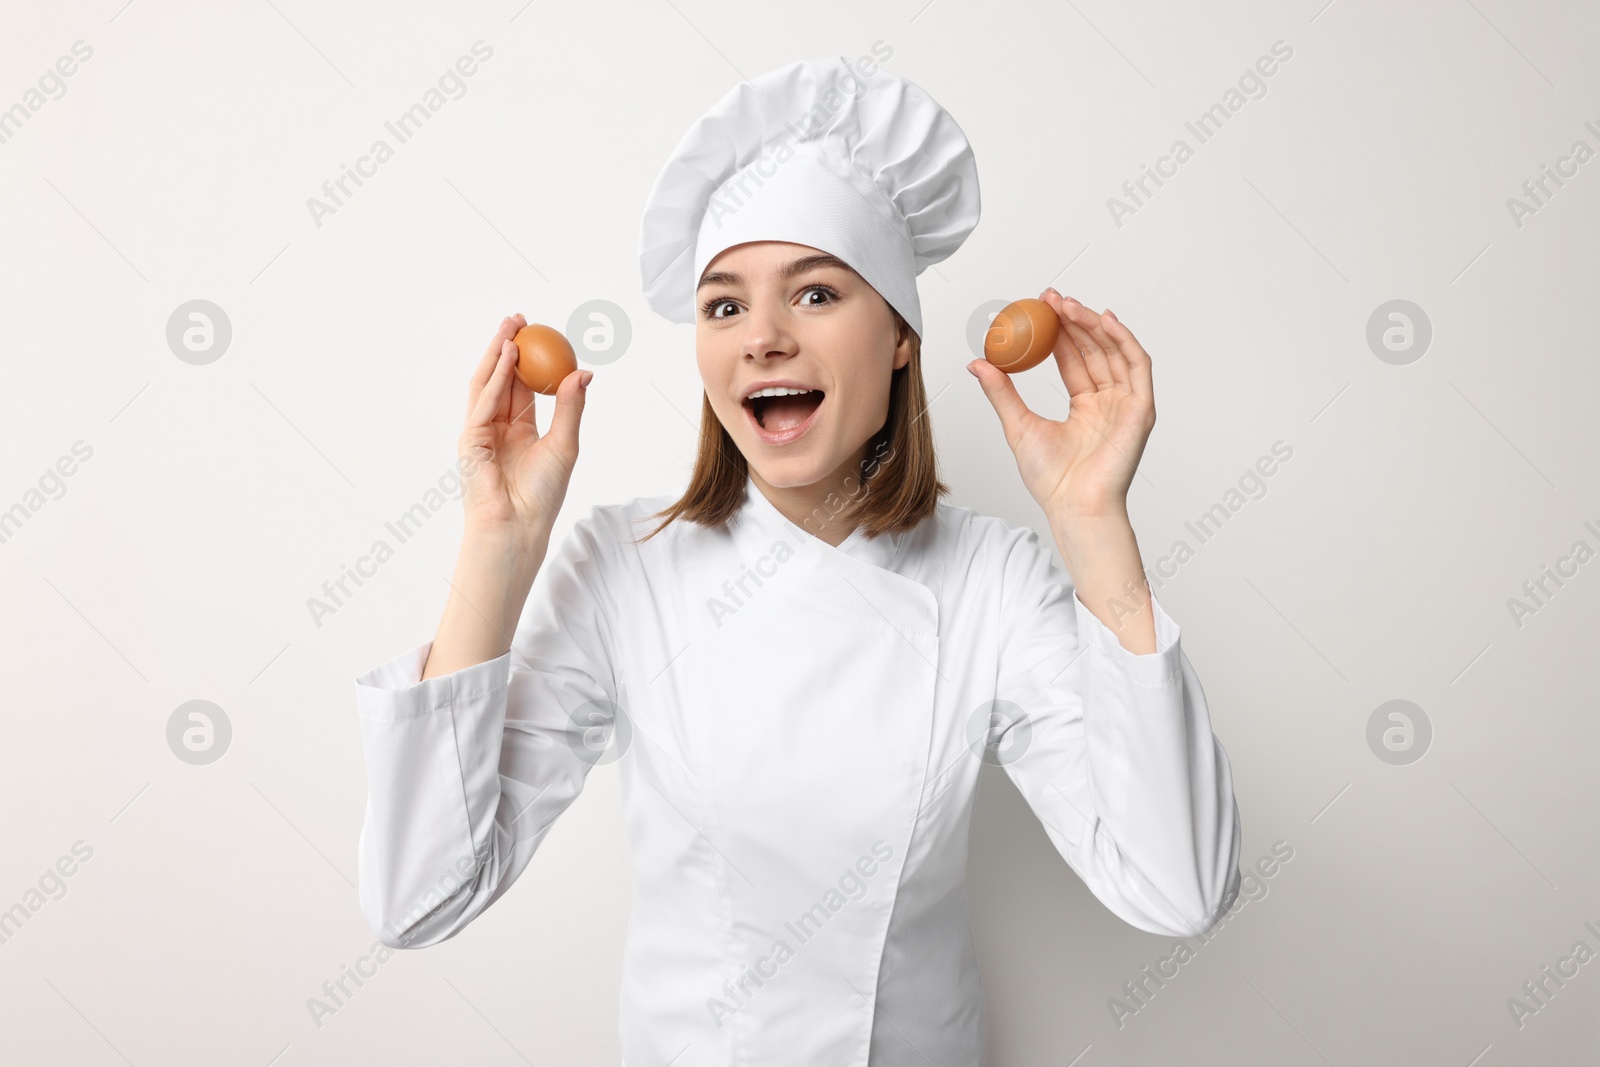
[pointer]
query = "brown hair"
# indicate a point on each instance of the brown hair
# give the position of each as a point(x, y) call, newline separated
point(897, 487)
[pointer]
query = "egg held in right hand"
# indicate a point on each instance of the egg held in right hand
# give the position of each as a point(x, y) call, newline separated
point(544, 358)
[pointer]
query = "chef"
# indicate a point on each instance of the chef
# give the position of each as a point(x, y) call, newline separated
point(801, 663)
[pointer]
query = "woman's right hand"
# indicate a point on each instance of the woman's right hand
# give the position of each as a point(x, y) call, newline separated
point(514, 479)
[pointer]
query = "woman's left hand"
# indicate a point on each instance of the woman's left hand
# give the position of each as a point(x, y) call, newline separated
point(1082, 466)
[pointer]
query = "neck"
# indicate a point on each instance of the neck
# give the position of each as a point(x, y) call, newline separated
point(815, 507)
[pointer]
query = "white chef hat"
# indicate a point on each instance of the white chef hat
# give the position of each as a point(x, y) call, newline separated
point(847, 158)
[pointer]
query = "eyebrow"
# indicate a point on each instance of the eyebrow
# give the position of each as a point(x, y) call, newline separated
point(792, 269)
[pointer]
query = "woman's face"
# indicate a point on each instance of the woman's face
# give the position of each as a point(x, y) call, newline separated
point(791, 315)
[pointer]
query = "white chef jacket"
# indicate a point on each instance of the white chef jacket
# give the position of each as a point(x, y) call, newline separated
point(799, 730)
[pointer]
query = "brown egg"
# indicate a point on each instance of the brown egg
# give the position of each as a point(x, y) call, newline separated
point(544, 358)
point(1021, 336)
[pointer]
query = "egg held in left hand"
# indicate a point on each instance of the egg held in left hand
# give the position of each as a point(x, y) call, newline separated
point(1021, 336)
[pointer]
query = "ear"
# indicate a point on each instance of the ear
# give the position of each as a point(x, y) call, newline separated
point(903, 346)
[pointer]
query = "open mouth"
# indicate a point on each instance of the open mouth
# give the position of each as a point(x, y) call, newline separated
point(781, 415)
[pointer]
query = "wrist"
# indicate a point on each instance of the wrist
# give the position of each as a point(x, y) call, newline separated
point(502, 557)
point(512, 541)
point(1094, 544)
point(1090, 518)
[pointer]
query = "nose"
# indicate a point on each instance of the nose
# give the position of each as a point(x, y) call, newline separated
point(766, 335)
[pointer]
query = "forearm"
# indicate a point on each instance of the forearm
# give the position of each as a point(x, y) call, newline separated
point(1102, 555)
point(493, 576)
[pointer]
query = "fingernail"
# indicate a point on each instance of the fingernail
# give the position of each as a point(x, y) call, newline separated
point(583, 379)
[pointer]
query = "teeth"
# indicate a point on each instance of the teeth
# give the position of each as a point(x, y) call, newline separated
point(778, 390)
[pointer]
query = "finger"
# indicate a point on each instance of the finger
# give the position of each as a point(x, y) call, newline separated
point(491, 358)
point(1074, 373)
point(520, 410)
point(1139, 370)
point(1115, 360)
point(1003, 396)
point(1094, 358)
point(570, 397)
point(492, 400)
point(522, 401)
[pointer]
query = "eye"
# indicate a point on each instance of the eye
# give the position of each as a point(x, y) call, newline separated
point(818, 288)
point(710, 307)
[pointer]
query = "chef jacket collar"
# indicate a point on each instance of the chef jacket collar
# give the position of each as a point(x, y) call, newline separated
point(880, 551)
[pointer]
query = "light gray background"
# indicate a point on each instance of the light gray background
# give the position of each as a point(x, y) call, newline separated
point(218, 498)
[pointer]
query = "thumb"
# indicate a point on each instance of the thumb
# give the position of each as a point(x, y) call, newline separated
point(1002, 394)
point(570, 396)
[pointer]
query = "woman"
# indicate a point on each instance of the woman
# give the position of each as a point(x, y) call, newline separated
point(802, 666)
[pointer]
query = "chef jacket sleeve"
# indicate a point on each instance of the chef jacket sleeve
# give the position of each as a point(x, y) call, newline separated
point(1114, 752)
point(467, 771)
